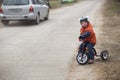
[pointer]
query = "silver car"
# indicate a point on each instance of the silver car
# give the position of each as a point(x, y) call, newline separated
point(23, 10)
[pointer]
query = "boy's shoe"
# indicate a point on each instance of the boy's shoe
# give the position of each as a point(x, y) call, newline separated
point(90, 61)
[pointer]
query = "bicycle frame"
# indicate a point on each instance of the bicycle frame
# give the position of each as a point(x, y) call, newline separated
point(94, 50)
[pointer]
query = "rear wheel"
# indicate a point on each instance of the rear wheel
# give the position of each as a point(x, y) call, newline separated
point(37, 21)
point(47, 16)
point(5, 22)
point(104, 55)
point(82, 58)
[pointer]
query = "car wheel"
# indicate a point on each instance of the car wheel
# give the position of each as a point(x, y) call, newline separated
point(5, 22)
point(37, 21)
point(47, 16)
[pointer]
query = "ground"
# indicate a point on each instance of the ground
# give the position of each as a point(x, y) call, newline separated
point(47, 51)
point(110, 70)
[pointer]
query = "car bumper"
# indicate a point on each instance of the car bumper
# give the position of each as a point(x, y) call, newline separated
point(30, 16)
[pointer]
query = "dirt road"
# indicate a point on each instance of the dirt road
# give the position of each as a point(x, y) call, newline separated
point(45, 51)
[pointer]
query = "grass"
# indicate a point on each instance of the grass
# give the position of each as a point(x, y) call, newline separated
point(58, 3)
point(111, 25)
point(112, 7)
point(111, 39)
point(55, 3)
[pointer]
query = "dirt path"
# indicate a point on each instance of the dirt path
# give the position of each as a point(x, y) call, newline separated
point(110, 40)
point(90, 72)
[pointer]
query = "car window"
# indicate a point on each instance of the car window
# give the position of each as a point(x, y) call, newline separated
point(16, 2)
point(42, 2)
point(36, 2)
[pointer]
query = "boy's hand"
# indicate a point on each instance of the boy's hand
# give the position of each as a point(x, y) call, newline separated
point(80, 38)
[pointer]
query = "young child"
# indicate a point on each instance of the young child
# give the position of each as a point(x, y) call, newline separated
point(88, 37)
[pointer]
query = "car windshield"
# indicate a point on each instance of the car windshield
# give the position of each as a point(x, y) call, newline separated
point(16, 2)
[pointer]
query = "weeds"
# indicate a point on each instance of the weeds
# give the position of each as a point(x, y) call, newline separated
point(111, 38)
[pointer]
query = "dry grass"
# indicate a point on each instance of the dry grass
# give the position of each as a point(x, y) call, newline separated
point(110, 39)
point(112, 8)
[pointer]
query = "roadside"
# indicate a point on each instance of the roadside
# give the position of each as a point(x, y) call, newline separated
point(109, 39)
point(59, 3)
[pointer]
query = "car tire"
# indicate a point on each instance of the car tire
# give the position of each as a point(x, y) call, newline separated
point(37, 21)
point(47, 16)
point(5, 22)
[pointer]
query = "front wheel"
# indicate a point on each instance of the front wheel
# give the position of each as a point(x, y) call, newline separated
point(82, 58)
point(5, 22)
point(104, 55)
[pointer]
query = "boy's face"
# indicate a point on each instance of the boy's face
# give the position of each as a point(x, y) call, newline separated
point(84, 24)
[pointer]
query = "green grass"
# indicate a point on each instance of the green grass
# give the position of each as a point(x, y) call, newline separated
point(58, 3)
point(55, 3)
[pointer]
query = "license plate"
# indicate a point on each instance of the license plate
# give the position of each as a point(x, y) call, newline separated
point(15, 10)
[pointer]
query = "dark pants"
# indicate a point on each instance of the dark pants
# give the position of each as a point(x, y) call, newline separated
point(89, 46)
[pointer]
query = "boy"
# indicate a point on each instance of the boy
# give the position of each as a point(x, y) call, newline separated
point(88, 37)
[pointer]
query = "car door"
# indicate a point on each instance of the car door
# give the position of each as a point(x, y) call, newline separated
point(44, 8)
point(38, 7)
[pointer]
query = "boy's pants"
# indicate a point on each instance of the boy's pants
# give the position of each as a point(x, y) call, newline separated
point(89, 46)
